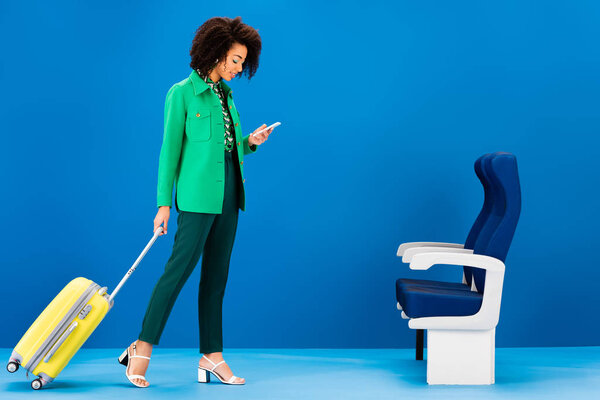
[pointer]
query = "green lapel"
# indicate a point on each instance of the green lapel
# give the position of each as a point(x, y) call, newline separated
point(200, 86)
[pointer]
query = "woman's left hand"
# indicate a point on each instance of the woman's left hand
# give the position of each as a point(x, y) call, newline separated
point(261, 137)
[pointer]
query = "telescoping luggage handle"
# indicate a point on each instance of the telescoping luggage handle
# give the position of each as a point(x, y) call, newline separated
point(135, 264)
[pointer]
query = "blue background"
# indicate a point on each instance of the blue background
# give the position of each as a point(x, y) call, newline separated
point(385, 106)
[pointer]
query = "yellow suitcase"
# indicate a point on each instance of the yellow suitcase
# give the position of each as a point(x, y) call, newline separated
point(64, 325)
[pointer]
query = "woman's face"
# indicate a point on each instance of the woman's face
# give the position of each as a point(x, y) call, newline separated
point(232, 65)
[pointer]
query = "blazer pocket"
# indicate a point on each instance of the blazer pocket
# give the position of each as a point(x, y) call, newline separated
point(197, 126)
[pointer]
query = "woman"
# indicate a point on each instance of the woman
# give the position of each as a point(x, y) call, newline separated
point(202, 153)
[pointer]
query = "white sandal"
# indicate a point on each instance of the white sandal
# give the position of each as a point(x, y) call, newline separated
point(204, 374)
point(125, 358)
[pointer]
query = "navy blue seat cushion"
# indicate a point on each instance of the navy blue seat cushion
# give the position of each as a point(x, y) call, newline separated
point(419, 302)
point(431, 284)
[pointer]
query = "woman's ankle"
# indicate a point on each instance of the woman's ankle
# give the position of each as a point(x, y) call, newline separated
point(214, 356)
point(144, 347)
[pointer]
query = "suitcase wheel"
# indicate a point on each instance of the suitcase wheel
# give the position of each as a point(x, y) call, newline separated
point(36, 384)
point(12, 367)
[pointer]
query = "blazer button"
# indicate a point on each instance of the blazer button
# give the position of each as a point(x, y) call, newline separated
point(244, 181)
point(197, 114)
point(241, 162)
point(237, 123)
point(238, 143)
point(230, 107)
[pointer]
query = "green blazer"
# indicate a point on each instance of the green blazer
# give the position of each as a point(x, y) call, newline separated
point(193, 151)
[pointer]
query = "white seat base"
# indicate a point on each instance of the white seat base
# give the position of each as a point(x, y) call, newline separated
point(461, 357)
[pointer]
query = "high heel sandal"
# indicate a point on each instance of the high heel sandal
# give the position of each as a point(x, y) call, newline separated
point(204, 374)
point(125, 358)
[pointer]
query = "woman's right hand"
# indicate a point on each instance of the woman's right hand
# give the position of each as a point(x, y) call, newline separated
point(162, 216)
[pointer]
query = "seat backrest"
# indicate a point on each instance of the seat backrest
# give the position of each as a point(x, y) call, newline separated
point(484, 214)
point(496, 237)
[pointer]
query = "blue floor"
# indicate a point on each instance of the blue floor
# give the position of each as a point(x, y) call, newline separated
point(523, 373)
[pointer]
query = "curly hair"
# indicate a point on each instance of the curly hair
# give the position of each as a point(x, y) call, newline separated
point(214, 39)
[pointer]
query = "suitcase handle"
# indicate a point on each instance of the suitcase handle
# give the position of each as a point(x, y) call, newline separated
point(60, 341)
point(135, 264)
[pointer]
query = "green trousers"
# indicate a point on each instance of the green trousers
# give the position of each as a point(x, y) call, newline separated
point(209, 235)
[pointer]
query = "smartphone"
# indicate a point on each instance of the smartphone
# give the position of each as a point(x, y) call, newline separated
point(276, 124)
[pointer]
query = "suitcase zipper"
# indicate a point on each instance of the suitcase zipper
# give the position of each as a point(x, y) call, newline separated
point(62, 326)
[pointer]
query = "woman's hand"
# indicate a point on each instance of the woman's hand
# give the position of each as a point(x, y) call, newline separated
point(162, 216)
point(261, 137)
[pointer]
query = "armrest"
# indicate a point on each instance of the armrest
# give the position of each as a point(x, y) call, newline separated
point(488, 315)
point(425, 261)
point(410, 253)
point(404, 246)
